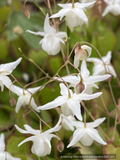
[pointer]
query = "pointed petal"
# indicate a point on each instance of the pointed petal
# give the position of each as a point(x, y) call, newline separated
point(31, 130)
point(21, 130)
point(19, 104)
point(57, 102)
point(32, 138)
point(75, 107)
point(35, 89)
point(19, 91)
point(112, 71)
point(9, 157)
point(93, 133)
point(47, 27)
point(84, 96)
point(97, 78)
point(55, 128)
point(2, 143)
point(68, 5)
point(37, 33)
point(94, 60)
point(84, 71)
point(107, 10)
point(61, 34)
point(76, 136)
point(33, 105)
point(76, 61)
point(64, 90)
point(9, 67)
point(96, 123)
point(99, 69)
point(108, 57)
point(84, 5)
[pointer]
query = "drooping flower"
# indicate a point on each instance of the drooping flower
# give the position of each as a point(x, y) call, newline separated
point(69, 101)
point(81, 54)
point(66, 125)
point(85, 81)
point(52, 38)
point(86, 133)
point(5, 70)
point(99, 68)
point(75, 15)
point(41, 140)
point(113, 6)
point(25, 97)
point(3, 154)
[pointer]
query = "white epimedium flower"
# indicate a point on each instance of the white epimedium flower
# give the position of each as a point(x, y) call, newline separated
point(52, 38)
point(75, 16)
point(99, 68)
point(41, 140)
point(69, 101)
point(87, 1)
point(81, 54)
point(5, 70)
point(66, 125)
point(86, 133)
point(113, 6)
point(25, 97)
point(86, 81)
point(3, 154)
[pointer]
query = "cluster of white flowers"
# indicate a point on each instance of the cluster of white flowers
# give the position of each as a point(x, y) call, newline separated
point(78, 87)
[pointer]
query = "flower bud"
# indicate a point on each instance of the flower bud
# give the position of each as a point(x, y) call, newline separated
point(27, 14)
point(60, 146)
point(80, 53)
point(79, 88)
point(12, 101)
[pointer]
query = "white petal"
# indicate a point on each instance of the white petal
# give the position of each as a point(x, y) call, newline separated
point(57, 102)
point(9, 67)
point(1, 84)
point(96, 123)
point(55, 128)
point(107, 10)
point(84, 71)
point(87, 48)
point(66, 109)
point(76, 61)
point(84, 5)
point(84, 96)
point(76, 136)
point(19, 104)
point(32, 138)
point(61, 34)
point(94, 60)
point(86, 140)
point(35, 89)
point(97, 78)
point(47, 27)
point(2, 143)
point(33, 105)
point(68, 5)
point(10, 157)
point(111, 70)
point(93, 133)
point(75, 107)
point(99, 69)
point(37, 33)
point(108, 57)
point(64, 90)
point(21, 130)
point(31, 130)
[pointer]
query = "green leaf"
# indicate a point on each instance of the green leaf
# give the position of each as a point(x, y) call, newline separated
point(3, 49)
point(55, 63)
point(3, 2)
point(116, 136)
point(111, 149)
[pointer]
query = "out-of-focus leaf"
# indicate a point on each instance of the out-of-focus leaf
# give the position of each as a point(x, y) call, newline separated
point(111, 149)
point(3, 2)
point(100, 103)
point(18, 24)
point(55, 64)
point(38, 57)
point(12, 145)
point(3, 49)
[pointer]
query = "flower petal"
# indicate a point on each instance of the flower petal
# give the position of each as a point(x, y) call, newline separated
point(108, 57)
point(84, 96)
point(64, 90)
point(76, 136)
point(19, 104)
point(96, 123)
point(37, 33)
point(84, 71)
point(9, 67)
point(21, 130)
point(47, 27)
point(61, 34)
point(87, 48)
point(86, 140)
point(32, 138)
point(33, 105)
point(93, 133)
point(35, 89)
point(57, 102)
point(2, 143)
point(94, 60)
point(31, 130)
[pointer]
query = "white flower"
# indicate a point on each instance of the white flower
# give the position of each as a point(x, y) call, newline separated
point(25, 96)
point(99, 68)
point(87, 1)
point(81, 54)
point(69, 102)
point(3, 154)
point(87, 80)
point(86, 134)
point(66, 125)
point(41, 140)
point(51, 41)
point(113, 6)
point(5, 70)
point(75, 16)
